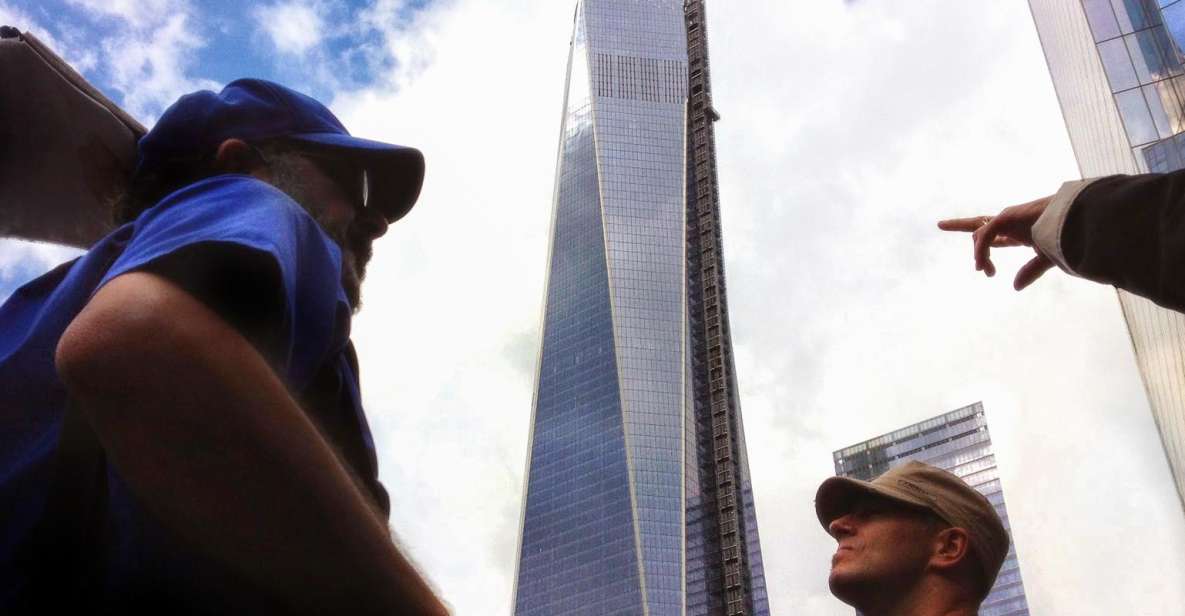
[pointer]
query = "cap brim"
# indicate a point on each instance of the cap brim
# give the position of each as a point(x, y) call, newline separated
point(837, 495)
point(395, 173)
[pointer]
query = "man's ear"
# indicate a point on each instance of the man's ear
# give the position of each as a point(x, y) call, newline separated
point(952, 546)
point(237, 156)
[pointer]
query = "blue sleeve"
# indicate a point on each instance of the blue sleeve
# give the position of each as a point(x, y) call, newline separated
point(257, 258)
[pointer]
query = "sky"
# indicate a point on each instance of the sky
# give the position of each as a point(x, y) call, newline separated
point(847, 129)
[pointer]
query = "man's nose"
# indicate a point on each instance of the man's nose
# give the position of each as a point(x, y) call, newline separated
point(842, 526)
point(370, 224)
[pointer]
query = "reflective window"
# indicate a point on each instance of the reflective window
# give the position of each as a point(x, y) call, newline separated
point(1174, 22)
point(1118, 65)
point(1137, 121)
point(1101, 17)
point(1145, 55)
point(1168, 51)
point(1161, 157)
point(1166, 111)
point(1130, 15)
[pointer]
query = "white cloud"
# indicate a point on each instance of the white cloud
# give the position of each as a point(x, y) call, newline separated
point(405, 38)
point(847, 131)
point(22, 261)
point(132, 11)
point(293, 27)
point(332, 46)
point(150, 65)
point(147, 53)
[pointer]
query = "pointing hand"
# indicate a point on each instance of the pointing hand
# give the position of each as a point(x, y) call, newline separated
point(1011, 227)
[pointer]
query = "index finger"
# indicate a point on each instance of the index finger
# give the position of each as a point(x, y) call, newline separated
point(963, 224)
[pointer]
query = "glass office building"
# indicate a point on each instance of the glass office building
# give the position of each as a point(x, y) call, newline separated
point(637, 496)
point(1119, 73)
point(959, 442)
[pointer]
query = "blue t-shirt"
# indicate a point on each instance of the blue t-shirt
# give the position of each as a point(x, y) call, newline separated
point(254, 256)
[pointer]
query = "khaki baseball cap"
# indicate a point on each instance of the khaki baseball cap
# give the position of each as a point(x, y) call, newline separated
point(917, 484)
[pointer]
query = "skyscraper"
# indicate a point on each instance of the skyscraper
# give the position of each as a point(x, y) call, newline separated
point(637, 496)
point(958, 442)
point(1117, 67)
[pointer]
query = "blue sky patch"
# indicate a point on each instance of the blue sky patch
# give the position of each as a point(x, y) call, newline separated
point(218, 41)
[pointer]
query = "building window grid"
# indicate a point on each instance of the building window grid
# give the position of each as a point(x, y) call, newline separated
point(1170, 95)
point(632, 154)
point(927, 426)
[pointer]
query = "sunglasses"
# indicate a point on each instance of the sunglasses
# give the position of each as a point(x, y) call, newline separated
point(351, 178)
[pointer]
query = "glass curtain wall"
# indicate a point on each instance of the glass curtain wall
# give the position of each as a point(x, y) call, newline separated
point(1144, 69)
point(639, 67)
point(603, 520)
point(958, 442)
point(578, 552)
point(1139, 44)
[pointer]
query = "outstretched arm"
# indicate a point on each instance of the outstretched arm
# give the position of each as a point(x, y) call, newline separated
point(1127, 231)
point(208, 437)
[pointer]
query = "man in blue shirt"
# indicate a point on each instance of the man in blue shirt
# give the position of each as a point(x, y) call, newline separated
point(181, 420)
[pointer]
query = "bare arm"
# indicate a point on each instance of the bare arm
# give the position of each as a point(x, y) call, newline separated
point(210, 440)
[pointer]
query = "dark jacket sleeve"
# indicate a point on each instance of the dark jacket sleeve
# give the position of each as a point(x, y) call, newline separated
point(1129, 231)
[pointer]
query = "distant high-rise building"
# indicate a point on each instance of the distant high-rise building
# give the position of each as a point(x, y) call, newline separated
point(637, 496)
point(958, 442)
point(1119, 73)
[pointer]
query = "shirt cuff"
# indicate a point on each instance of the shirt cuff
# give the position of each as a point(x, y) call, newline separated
point(1047, 231)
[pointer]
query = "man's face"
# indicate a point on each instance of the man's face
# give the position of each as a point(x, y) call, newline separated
point(332, 191)
point(883, 548)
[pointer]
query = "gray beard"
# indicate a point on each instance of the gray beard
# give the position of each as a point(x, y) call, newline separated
point(355, 253)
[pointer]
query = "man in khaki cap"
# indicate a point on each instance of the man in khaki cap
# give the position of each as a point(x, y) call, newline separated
point(915, 541)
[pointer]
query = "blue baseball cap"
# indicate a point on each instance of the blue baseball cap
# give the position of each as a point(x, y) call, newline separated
point(255, 110)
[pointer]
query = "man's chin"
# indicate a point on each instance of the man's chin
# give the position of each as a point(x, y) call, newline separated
point(844, 586)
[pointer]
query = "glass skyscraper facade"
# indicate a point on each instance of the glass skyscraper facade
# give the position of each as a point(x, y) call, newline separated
point(637, 496)
point(958, 442)
point(1119, 73)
